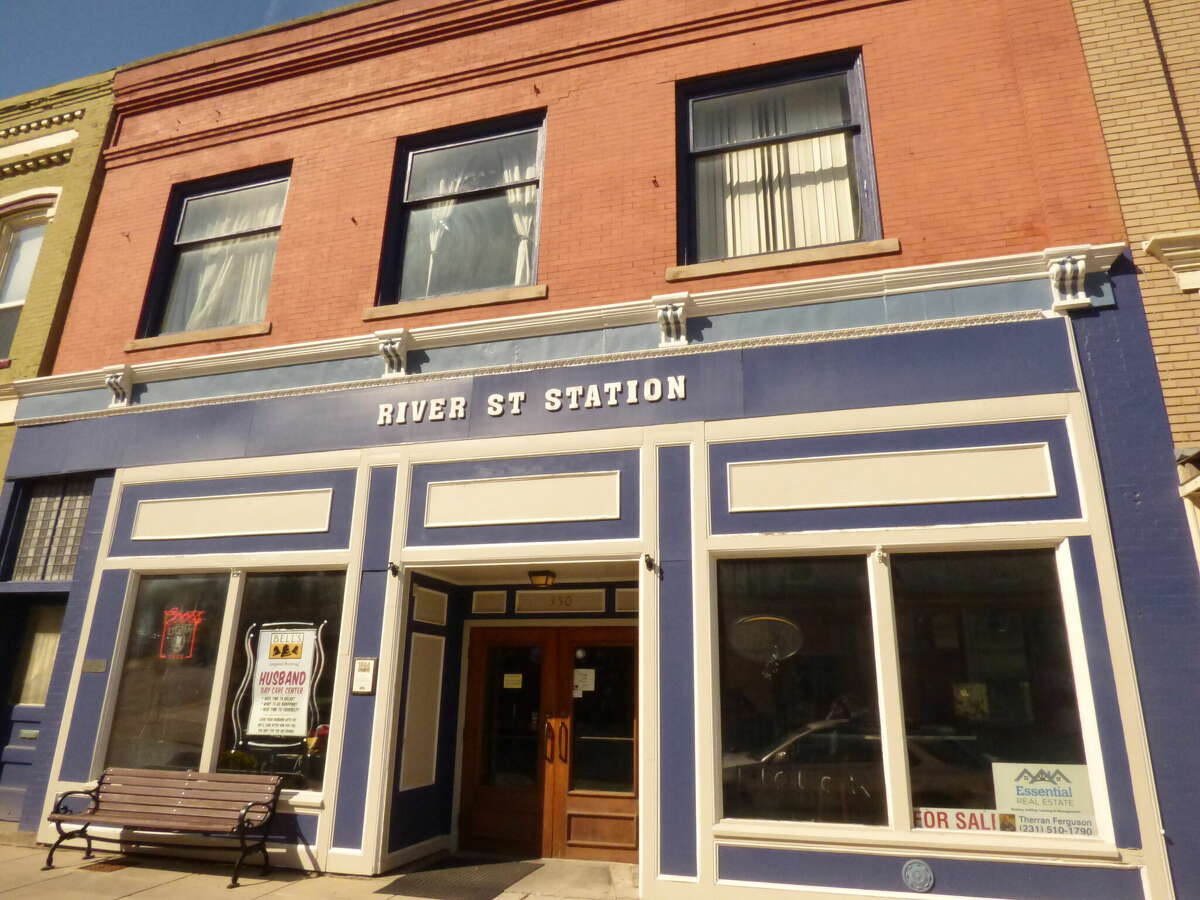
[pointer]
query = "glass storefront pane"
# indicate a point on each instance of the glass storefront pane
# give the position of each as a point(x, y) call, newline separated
point(277, 711)
point(799, 717)
point(511, 714)
point(990, 705)
point(604, 707)
point(167, 676)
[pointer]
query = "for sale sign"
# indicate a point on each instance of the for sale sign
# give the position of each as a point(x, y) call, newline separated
point(282, 683)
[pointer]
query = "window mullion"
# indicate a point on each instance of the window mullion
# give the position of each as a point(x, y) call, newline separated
point(227, 651)
point(891, 704)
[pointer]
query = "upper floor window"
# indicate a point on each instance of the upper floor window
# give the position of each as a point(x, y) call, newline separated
point(776, 161)
point(215, 268)
point(20, 243)
point(468, 212)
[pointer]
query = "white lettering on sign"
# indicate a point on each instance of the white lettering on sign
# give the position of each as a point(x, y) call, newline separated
point(569, 397)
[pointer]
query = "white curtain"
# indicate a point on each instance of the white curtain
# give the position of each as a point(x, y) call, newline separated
point(439, 212)
point(775, 196)
point(224, 280)
point(522, 203)
point(37, 656)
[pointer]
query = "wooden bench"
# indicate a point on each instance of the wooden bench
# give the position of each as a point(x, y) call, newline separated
point(151, 800)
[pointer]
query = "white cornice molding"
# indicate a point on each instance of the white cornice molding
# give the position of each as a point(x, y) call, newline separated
point(880, 283)
point(1179, 251)
point(44, 122)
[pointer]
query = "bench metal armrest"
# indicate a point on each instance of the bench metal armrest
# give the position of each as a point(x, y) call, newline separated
point(60, 807)
point(268, 808)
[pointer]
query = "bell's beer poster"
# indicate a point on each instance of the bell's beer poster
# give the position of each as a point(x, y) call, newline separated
point(282, 682)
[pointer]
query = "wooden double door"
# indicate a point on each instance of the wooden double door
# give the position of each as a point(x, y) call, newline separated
point(550, 743)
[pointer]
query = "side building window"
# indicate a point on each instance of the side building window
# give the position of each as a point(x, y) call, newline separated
point(992, 738)
point(215, 264)
point(465, 214)
point(774, 161)
point(55, 513)
point(21, 237)
point(195, 694)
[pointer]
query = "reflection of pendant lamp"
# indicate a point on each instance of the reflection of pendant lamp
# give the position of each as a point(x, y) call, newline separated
point(541, 578)
point(766, 639)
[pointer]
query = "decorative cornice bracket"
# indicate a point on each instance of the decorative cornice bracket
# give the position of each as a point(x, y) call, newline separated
point(119, 380)
point(1068, 268)
point(394, 344)
point(1179, 251)
point(672, 316)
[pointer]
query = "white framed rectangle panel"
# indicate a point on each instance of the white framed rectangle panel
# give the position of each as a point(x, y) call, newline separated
point(422, 710)
point(429, 606)
point(1010, 472)
point(564, 600)
point(524, 499)
point(489, 602)
point(233, 515)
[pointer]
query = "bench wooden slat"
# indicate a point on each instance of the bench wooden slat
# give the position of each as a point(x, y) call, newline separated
point(212, 803)
point(151, 823)
point(189, 784)
point(239, 777)
point(217, 815)
point(107, 790)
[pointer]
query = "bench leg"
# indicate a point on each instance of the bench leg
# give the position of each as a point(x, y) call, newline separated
point(266, 866)
point(67, 835)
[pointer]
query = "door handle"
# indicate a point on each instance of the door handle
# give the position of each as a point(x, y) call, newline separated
point(562, 741)
point(549, 742)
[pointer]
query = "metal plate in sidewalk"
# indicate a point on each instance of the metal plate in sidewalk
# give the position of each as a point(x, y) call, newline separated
point(460, 879)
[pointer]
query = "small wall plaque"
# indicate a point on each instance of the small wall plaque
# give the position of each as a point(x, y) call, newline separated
point(28, 734)
point(95, 665)
point(363, 680)
point(918, 876)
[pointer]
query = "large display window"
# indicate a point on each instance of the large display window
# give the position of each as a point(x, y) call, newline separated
point(991, 734)
point(198, 694)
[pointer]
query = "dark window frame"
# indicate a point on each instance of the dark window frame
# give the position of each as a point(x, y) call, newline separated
point(847, 62)
point(166, 254)
point(387, 292)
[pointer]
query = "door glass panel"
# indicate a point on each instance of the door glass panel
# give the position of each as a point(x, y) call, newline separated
point(512, 713)
point(604, 689)
point(31, 681)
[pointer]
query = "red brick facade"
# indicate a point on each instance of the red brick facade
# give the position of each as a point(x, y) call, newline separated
point(985, 136)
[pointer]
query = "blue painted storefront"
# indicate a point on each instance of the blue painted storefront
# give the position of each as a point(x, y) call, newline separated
point(1003, 360)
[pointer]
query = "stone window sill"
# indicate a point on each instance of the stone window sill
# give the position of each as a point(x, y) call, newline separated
point(779, 260)
point(455, 301)
point(197, 337)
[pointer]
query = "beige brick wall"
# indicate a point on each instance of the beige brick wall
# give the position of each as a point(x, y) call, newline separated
point(1144, 60)
point(23, 120)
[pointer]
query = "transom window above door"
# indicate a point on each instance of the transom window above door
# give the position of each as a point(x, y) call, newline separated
point(467, 214)
point(775, 161)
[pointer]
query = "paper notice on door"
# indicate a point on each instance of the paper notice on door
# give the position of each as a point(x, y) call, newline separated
point(585, 679)
point(513, 681)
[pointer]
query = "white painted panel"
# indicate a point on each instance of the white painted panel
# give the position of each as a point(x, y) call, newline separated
point(573, 497)
point(39, 144)
point(890, 479)
point(560, 601)
point(229, 515)
point(429, 605)
point(422, 705)
point(627, 599)
point(489, 602)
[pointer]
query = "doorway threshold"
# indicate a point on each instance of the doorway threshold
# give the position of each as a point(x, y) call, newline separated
point(469, 876)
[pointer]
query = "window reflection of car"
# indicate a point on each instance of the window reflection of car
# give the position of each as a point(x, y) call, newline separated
point(832, 771)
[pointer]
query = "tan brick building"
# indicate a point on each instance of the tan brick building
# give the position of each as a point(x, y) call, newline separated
point(1144, 59)
point(50, 146)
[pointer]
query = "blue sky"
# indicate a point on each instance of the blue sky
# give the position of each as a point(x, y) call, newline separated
point(48, 41)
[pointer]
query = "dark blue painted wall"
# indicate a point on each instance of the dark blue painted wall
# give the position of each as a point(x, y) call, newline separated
point(68, 643)
point(360, 708)
point(676, 666)
point(1005, 360)
point(1157, 567)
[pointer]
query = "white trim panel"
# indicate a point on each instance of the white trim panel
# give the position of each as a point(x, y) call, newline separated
point(233, 515)
point(422, 709)
point(955, 475)
point(524, 499)
point(429, 606)
point(560, 601)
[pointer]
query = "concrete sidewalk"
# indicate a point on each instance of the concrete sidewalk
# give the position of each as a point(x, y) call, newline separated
point(162, 878)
